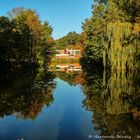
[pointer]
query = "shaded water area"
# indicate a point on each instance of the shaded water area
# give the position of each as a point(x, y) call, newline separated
point(68, 103)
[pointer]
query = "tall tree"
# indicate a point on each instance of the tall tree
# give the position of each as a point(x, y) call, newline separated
point(112, 26)
point(24, 36)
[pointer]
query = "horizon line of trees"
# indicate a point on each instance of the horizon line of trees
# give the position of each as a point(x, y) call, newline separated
point(71, 40)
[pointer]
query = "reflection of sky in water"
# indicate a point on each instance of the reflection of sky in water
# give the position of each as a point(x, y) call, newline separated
point(65, 119)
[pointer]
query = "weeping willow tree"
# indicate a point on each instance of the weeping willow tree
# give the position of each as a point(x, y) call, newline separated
point(121, 47)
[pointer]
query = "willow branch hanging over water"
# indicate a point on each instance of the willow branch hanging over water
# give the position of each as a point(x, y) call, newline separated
point(121, 50)
point(115, 55)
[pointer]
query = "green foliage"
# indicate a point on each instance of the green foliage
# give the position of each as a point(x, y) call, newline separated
point(130, 8)
point(94, 29)
point(23, 37)
point(116, 55)
point(112, 34)
point(72, 38)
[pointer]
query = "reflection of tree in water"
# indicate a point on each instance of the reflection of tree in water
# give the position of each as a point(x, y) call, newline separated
point(123, 92)
point(114, 100)
point(72, 78)
point(24, 91)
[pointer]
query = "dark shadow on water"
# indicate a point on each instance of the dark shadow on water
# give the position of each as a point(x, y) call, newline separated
point(24, 90)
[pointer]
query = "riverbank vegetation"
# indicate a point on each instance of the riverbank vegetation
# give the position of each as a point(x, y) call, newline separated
point(112, 34)
point(25, 38)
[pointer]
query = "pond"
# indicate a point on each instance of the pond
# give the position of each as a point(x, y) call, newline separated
point(68, 105)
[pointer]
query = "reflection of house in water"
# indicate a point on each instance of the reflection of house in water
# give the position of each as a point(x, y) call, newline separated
point(68, 53)
point(68, 67)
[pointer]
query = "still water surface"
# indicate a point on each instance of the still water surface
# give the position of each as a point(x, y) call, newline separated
point(64, 119)
point(81, 105)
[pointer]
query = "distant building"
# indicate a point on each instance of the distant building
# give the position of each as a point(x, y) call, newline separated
point(68, 53)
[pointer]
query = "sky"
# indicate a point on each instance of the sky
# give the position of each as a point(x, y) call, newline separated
point(63, 15)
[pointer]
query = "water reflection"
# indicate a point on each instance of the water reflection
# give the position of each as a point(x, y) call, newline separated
point(24, 90)
point(109, 107)
point(113, 97)
point(70, 67)
point(69, 72)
